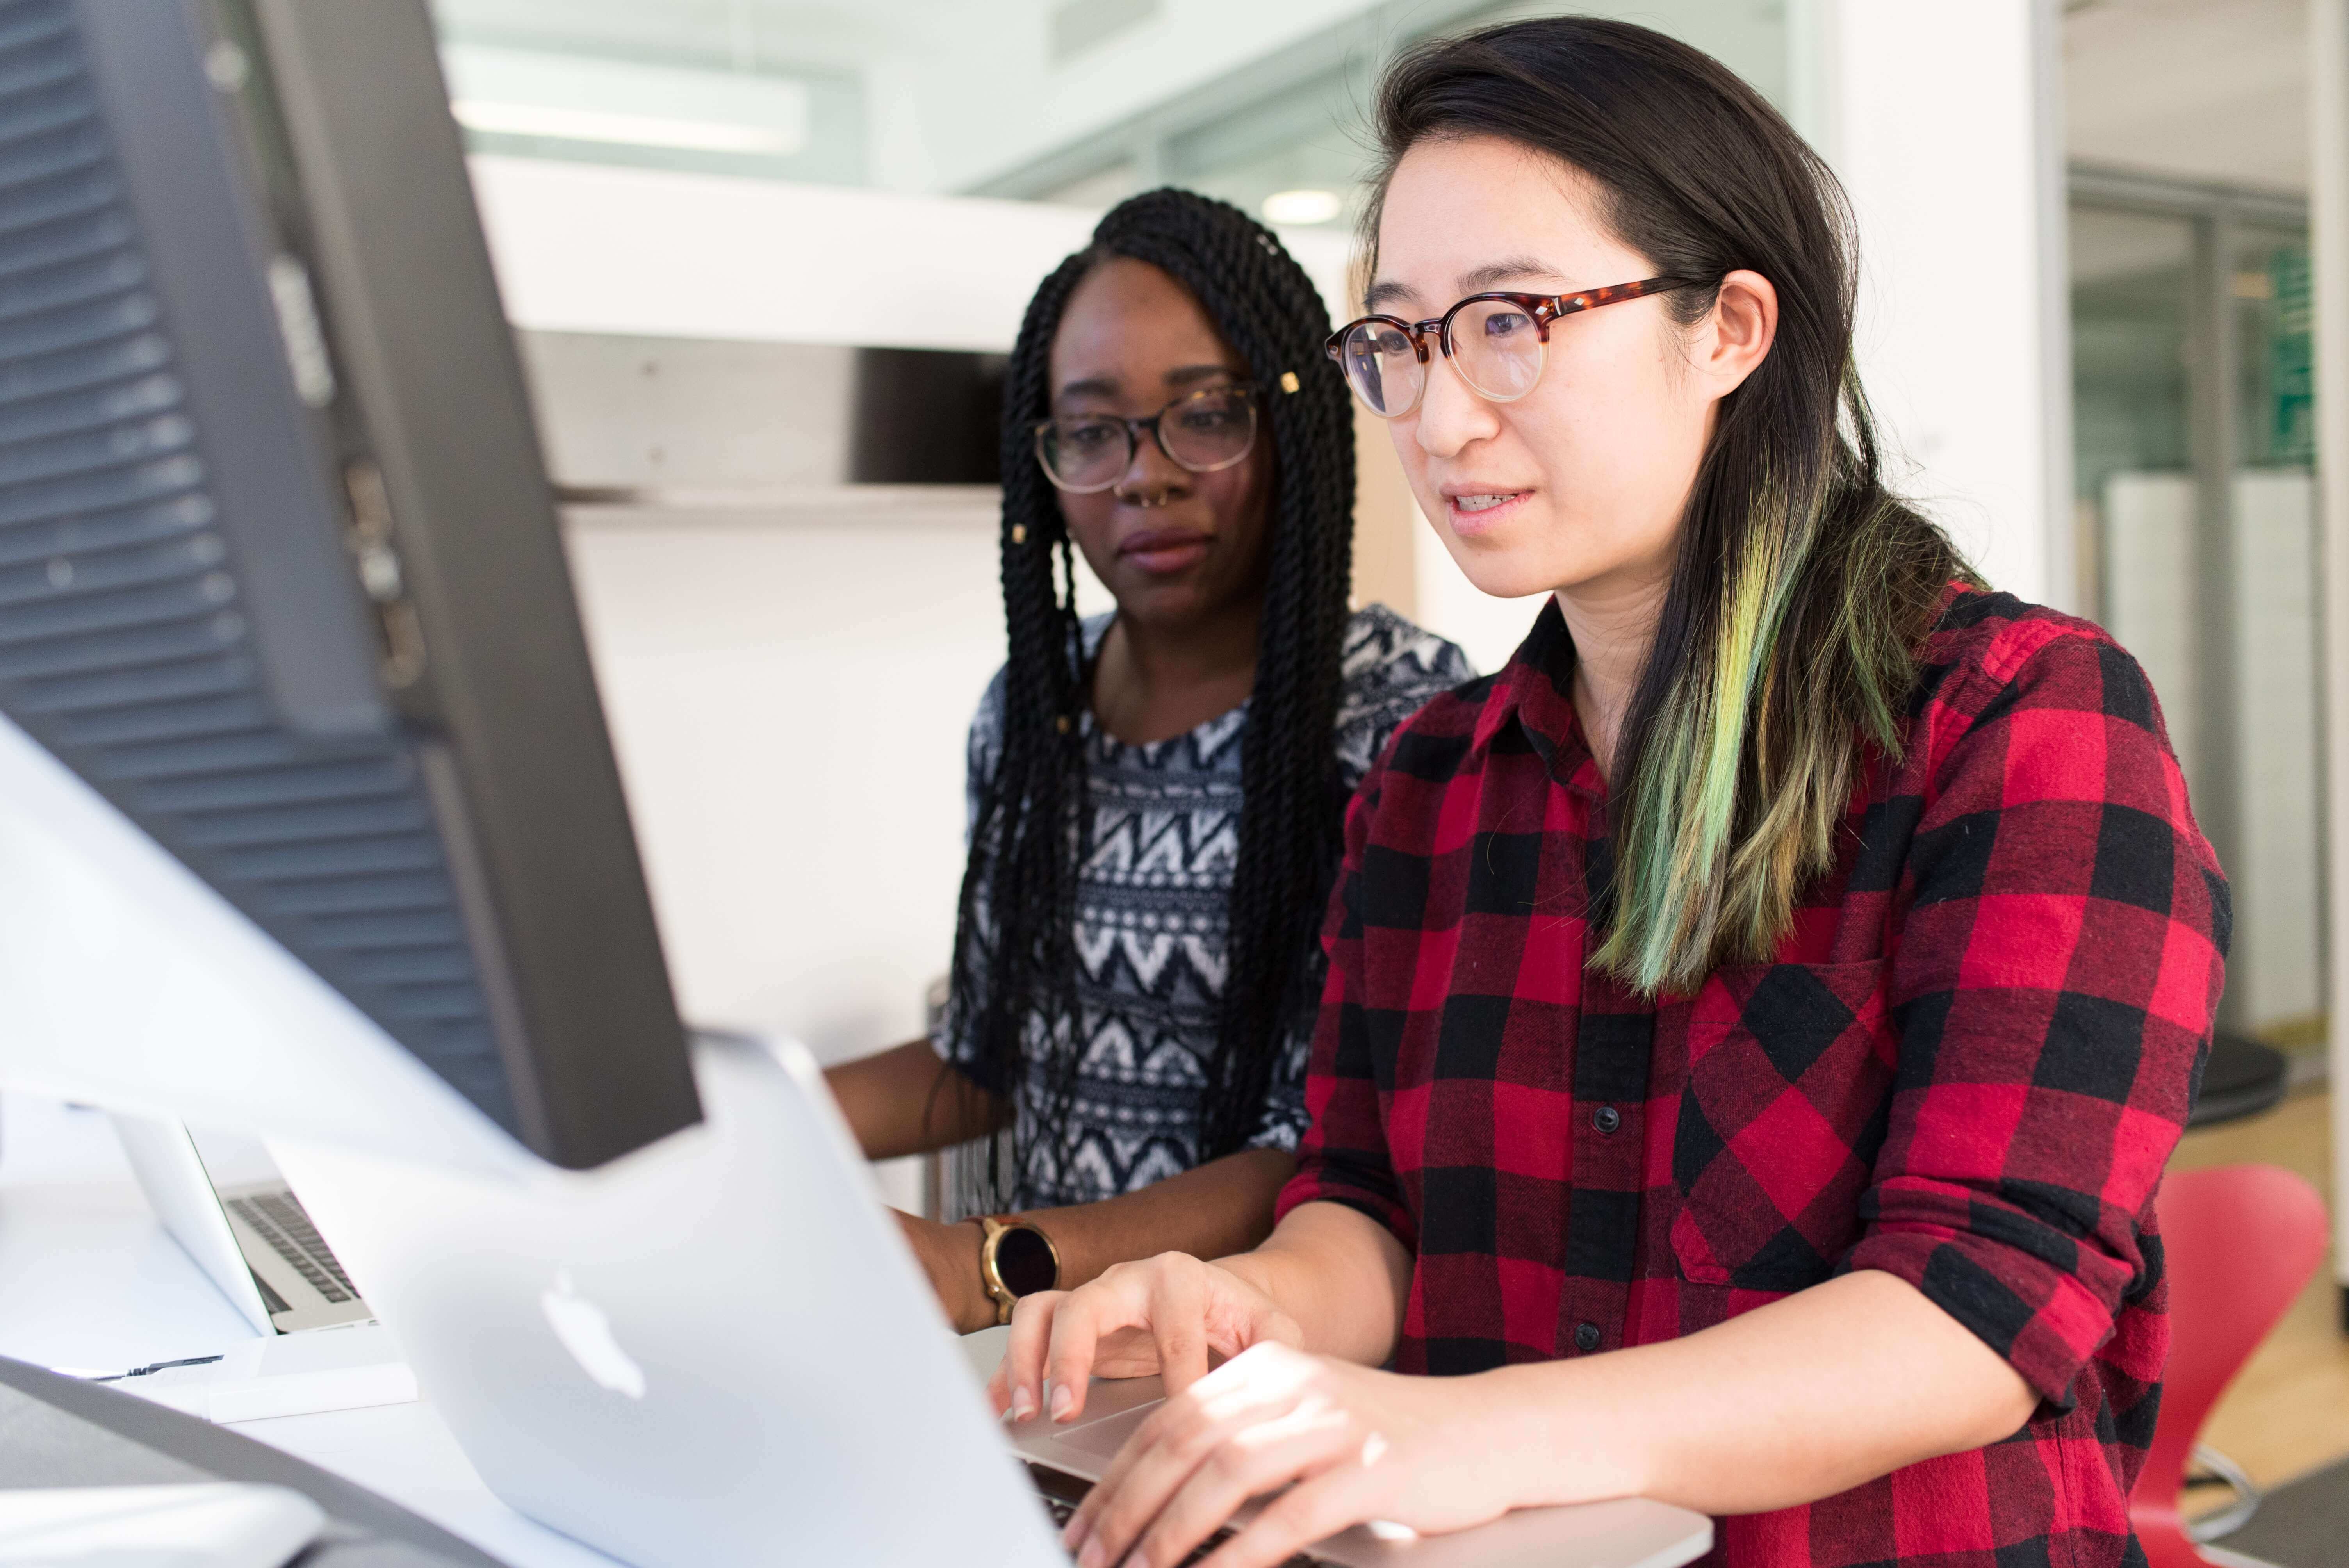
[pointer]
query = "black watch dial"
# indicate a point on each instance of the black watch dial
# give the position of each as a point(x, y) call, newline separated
point(1023, 1261)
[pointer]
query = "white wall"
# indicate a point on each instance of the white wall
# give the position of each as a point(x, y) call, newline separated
point(589, 248)
point(1944, 123)
point(585, 248)
point(789, 699)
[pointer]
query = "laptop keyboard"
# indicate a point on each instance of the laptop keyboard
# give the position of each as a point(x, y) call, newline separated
point(279, 1220)
point(1060, 1494)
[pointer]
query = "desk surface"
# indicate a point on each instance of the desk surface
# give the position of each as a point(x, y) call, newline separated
point(88, 1279)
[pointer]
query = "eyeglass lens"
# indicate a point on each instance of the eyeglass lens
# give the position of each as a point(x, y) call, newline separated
point(1203, 432)
point(1381, 367)
point(1497, 348)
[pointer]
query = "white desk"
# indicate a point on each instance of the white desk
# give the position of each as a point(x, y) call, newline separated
point(89, 1280)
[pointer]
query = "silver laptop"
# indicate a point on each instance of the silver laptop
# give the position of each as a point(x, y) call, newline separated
point(251, 1237)
point(717, 1350)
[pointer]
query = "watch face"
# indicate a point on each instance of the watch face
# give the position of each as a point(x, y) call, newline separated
point(1023, 1261)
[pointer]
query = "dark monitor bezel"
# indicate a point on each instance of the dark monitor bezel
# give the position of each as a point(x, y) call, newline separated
point(336, 144)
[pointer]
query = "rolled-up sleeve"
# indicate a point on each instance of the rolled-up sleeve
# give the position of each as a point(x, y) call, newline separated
point(1343, 1157)
point(2056, 974)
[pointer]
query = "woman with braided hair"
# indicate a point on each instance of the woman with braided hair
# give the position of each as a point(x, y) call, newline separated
point(1156, 793)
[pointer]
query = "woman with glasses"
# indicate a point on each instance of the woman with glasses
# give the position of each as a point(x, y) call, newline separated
point(1757, 1018)
point(1155, 793)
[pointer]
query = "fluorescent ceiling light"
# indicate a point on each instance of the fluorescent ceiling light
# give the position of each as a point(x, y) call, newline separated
point(1302, 206)
point(626, 130)
point(579, 97)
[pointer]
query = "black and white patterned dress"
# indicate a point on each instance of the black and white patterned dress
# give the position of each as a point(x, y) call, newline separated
point(1152, 921)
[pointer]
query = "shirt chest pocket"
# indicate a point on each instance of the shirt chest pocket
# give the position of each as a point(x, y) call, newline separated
point(1782, 1112)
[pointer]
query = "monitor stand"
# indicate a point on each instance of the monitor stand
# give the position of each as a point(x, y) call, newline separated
point(60, 1431)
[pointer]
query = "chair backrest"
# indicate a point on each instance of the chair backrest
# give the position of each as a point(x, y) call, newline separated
point(2239, 1243)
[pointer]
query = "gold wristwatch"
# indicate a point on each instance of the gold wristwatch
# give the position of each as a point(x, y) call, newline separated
point(1015, 1259)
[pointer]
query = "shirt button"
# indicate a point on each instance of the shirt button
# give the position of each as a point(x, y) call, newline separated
point(1607, 1119)
point(1585, 1336)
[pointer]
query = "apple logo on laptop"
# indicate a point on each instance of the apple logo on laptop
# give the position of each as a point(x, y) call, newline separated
point(586, 1333)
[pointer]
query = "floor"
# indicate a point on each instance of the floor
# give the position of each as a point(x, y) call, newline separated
point(2303, 1525)
point(2288, 1412)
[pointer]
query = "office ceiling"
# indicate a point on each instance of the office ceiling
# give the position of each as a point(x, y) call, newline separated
point(933, 94)
point(734, 34)
point(2201, 90)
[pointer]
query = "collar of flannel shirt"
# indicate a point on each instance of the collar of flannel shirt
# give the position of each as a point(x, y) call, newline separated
point(1535, 690)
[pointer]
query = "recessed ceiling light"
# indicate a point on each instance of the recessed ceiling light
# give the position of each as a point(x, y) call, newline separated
point(1302, 206)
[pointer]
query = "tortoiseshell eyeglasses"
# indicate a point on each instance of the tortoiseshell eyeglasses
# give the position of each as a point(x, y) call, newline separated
point(1495, 341)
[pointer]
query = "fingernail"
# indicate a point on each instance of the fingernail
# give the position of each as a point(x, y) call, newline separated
point(1091, 1556)
point(1023, 1405)
point(1074, 1536)
point(1065, 1400)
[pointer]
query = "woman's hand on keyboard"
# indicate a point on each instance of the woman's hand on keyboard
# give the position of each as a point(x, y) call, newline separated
point(1168, 1314)
point(1351, 1445)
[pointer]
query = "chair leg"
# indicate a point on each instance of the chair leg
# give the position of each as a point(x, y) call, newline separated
point(2235, 1515)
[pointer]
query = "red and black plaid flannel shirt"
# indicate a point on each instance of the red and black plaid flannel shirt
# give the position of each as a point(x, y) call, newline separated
point(1966, 1069)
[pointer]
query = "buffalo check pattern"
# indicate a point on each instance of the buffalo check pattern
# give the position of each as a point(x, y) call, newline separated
point(1966, 1067)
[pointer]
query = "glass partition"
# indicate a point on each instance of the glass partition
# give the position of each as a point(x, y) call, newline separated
point(2132, 283)
point(2277, 969)
point(2193, 452)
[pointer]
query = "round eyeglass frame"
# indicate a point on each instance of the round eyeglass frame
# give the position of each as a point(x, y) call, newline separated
point(1249, 395)
point(1542, 308)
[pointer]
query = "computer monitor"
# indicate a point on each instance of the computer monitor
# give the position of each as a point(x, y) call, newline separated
point(281, 594)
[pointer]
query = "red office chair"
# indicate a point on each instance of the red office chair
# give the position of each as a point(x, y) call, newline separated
point(2240, 1241)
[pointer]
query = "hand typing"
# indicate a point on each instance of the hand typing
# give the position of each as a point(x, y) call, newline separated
point(1350, 1445)
point(1165, 1315)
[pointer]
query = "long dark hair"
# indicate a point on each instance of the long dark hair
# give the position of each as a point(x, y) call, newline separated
point(1803, 589)
point(1013, 991)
